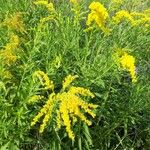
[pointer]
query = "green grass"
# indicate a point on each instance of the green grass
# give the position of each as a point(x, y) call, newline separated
point(60, 48)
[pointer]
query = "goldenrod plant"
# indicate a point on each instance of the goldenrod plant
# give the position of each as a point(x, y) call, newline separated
point(98, 14)
point(7, 54)
point(74, 74)
point(70, 105)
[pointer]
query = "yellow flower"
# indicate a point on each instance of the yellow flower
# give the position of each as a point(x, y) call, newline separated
point(44, 2)
point(15, 22)
point(49, 6)
point(143, 21)
point(44, 80)
point(68, 80)
point(128, 63)
point(69, 107)
point(35, 98)
point(81, 91)
point(98, 14)
point(58, 119)
point(74, 2)
point(123, 15)
point(46, 110)
point(7, 74)
point(137, 14)
point(8, 53)
point(147, 12)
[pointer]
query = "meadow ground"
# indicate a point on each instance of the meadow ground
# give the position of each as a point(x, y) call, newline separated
point(74, 75)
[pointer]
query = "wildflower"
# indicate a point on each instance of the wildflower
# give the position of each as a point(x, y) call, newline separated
point(49, 6)
point(147, 12)
point(58, 119)
point(141, 18)
point(69, 107)
point(7, 74)
point(35, 98)
point(143, 21)
point(48, 109)
point(81, 91)
point(8, 53)
point(45, 19)
point(44, 80)
point(68, 80)
point(57, 62)
point(98, 14)
point(128, 63)
point(15, 22)
point(44, 2)
point(119, 2)
point(74, 2)
point(123, 15)
point(136, 14)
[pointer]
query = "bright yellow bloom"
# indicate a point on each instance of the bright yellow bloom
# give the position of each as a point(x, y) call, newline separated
point(81, 91)
point(49, 6)
point(8, 53)
point(69, 107)
point(128, 63)
point(49, 108)
point(135, 18)
point(35, 98)
point(44, 80)
point(68, 81)
point(98, 14)
point(141, 18)
point(44, 2)
point(58, 119)
point(46, 110)
point(123, 15)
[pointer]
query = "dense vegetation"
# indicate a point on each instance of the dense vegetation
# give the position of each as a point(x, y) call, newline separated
point(74, 75)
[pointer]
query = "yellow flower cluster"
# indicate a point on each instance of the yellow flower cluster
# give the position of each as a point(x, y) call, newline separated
point(48, 84)
point(147, 12)
point(47, 111)
point(49, 6)
point(143, 18)
point(52, 13)
point(35, 98)
point(8, 53)
point(137, 14)
point(98, 14)
point(123, 15)
point(128, 63)
point(7, 74)
point(69, 108)
point(134, 18)
point(74, 2)
point(15, 23)
point(68, 81)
